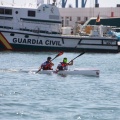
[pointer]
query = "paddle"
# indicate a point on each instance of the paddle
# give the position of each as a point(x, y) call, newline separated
point(59, 54)
point(77, 56)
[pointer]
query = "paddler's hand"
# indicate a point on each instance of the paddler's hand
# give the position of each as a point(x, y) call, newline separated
point(71, 63)
point(51, 63)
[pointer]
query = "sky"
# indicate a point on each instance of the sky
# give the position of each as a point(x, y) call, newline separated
point(90, 3)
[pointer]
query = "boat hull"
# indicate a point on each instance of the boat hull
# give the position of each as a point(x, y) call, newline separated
point(49, 72)
point(86, 72)
point(82, 71)
point(19, 41)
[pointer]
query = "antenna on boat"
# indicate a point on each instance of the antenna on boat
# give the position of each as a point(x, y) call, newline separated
point(13, 3)
point(1, 2)
point(54, 2)
point(40, 2)
point(48, 1)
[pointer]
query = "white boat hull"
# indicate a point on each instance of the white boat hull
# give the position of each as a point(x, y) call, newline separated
point(81, 71)
point(46, 72)
point(56, 43)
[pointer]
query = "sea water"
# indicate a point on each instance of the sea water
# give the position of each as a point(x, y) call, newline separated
point(28, 96)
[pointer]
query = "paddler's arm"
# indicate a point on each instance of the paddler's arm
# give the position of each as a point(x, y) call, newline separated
point(39, 69)
point(57, 69)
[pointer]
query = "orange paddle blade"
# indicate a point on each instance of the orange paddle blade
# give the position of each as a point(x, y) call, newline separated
point(60, 53)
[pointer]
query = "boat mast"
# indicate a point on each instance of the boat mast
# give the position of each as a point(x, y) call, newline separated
point(48, 1)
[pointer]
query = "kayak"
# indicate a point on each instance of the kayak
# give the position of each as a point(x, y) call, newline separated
point(78, 71)
point(81, 71)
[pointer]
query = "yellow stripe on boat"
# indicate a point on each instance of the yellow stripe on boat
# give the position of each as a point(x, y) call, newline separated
point(5, 42)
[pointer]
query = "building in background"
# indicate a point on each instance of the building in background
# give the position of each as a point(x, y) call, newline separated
point(70, 16)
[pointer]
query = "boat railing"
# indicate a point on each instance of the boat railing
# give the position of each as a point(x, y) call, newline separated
point(38, 31)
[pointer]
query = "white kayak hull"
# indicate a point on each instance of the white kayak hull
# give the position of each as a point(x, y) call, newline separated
point(81, 71)
point(46, 72)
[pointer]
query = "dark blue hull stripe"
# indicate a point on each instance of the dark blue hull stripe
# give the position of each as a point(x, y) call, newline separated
point(37, 20)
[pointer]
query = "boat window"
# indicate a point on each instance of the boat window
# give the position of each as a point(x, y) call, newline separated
point(16, 12)
point(11, 34)
point(31, 13)
point(67, 19)
point(8, 11)
point(78, 18)
point(62, 22)
point(70, 18)
point(62, 18)
point(1, 11)
point(85, 18)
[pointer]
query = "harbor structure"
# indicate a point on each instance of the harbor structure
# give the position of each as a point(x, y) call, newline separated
point(70, 16)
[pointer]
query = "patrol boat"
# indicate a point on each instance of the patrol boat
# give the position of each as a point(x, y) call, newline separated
point(40, 29)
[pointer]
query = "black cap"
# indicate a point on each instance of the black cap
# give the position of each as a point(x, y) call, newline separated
point(49, 58)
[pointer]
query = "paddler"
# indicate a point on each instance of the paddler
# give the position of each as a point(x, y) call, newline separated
point(47, 65)
point(64, 65)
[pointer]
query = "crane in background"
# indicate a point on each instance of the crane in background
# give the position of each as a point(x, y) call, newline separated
point(64, 3)
point(83, 3)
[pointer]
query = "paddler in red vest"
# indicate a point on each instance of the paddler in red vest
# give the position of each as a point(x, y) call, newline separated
point(64, 65)
point(46, 65)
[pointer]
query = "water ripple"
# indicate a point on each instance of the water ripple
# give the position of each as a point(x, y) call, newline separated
point(26, 96)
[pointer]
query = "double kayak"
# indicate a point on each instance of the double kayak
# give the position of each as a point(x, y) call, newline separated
point(78, 71)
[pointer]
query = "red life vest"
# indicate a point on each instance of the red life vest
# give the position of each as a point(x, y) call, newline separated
point(47, 66)
point(63, 64)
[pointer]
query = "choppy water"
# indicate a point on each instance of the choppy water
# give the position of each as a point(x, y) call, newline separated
point(27, 96)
